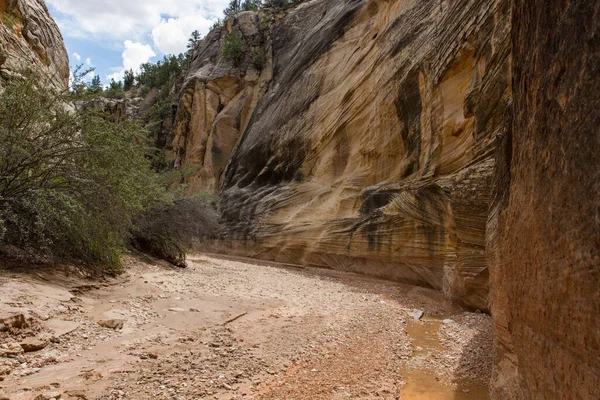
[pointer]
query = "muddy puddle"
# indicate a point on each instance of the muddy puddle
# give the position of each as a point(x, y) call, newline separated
point(422, 384)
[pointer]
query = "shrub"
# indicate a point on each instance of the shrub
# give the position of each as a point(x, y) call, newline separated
point(115, 90)
point(128, 79)
point(95, 87)
point(233, 48)
point(144, 91)
point(276, 3)
point(251, 5)
point(232, 8)
point(70, 183)
point(167, 231)
point(259, 59)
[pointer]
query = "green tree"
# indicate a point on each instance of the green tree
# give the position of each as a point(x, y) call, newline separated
point(115, 90)
point(128, 79)
point(276, 3)
point(70, 183)
point(232, 8)
point(233, 48)
point(95, 87)
point(195, 37)
point(251, 5)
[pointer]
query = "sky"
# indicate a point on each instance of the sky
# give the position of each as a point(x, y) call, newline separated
point(114, 35)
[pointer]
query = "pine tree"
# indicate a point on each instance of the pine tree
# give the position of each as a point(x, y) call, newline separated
point(232, 9)
point(251, 5)
point(95, 86)
point(193, 40)
point(128, 79)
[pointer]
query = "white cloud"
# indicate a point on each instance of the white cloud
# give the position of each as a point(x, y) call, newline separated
point(134, 55)
point(77, 56)
point(88, 62)
point(135, 19)
point(171, 35)
point(166, 25)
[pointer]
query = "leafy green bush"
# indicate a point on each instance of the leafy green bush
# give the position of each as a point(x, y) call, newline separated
point(168, 230)
point(70, 183)
point(115, 90)
point(233, 48)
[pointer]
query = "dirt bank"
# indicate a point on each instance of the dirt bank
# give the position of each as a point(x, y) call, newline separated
point(233, 329)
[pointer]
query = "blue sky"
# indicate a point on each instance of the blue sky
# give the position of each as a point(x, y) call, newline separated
point(114, 35)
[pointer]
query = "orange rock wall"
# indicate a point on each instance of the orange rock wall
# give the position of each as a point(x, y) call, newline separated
point(366, 142)
point(544, 230)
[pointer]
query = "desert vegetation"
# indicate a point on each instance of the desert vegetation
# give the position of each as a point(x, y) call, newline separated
point(76, 186)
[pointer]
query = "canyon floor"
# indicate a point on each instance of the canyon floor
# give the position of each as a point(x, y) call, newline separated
point(232, 328)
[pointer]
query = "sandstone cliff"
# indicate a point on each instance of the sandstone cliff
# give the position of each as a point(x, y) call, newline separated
point(365, 141)
point(29, 38)
point(544, 231)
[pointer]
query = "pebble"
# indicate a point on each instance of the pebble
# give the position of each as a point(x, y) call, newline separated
point(115, 324)
point(49, 396)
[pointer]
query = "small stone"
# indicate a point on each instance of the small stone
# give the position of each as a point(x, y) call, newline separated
point(76, 394)
point(417, 314)
point(447, 321)
point(11, 350)
point(177, 309)
point(49, 396)
point(115, 324)
point(33, 344)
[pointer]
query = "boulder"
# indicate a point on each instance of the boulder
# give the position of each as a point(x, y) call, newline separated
point(33, 344)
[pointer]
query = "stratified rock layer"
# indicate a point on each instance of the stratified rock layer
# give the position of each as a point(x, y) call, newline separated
point(544, 231)
point(366, 142)
point(29, 38)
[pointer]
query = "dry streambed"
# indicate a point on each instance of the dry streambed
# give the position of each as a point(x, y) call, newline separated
point(235, 329)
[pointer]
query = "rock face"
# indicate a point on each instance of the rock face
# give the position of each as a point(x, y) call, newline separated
point(544, 230)
point(29, 38)
point(366, 141)
point(218, 99)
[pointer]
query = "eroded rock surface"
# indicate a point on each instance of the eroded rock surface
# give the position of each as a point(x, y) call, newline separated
point(29, 38)
point(544, 233)
point(365, 143)
point(218, 99)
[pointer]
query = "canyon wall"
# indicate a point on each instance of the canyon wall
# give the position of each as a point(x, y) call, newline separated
point(365, 142)
point(29, 38)
point(544, 232)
